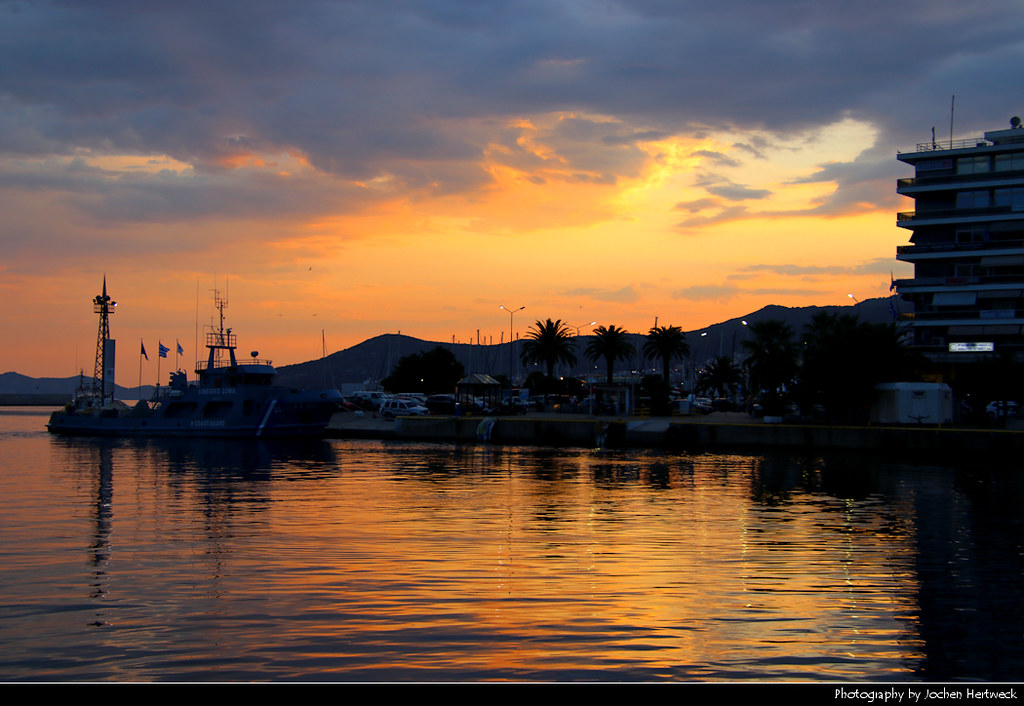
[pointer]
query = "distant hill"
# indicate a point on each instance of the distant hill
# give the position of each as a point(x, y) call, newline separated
point(370, 361)
point(366, 363)
point(18, 384)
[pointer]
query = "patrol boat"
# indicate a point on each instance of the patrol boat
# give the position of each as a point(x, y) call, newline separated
point(228, 398)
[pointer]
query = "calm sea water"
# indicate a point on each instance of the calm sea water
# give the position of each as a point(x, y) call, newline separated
point(377, 561)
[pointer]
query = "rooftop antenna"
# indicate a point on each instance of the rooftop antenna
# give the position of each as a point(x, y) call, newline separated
point(952, 106)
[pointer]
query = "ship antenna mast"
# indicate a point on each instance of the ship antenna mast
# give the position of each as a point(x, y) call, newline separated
point(220, 339)
point(220, 302)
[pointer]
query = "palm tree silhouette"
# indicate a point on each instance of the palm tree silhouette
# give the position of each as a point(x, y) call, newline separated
point(549, 342)
point(666, 343)
point(719, 375)
point(612, 344)
point(773, 359)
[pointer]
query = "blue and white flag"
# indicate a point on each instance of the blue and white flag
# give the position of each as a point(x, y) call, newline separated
point(143, 350)
point(163, 350)
point(181, 351)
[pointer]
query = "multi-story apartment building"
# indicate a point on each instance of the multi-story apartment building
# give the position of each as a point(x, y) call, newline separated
point(967, 246)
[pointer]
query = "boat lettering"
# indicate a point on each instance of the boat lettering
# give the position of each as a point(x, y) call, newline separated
point(207, 423)
point(217, 391)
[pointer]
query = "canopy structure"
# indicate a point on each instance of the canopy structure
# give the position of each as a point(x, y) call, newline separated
point(478, 387)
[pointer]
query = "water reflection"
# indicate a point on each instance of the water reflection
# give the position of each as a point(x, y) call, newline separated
point(374, 560)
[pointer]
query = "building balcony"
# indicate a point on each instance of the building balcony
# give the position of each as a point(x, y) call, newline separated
point(967, 284)
point(990, 214)
point(955, 182)
point(965, 317)
point(935, 251)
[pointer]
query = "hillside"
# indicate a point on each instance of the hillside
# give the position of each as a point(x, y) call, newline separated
point(18, 384)
point(372, 360)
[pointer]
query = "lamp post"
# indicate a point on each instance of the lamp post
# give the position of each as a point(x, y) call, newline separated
point(511, 348)
point(578, 329)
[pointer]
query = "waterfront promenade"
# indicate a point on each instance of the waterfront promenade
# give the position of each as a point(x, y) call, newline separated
point(719, 431)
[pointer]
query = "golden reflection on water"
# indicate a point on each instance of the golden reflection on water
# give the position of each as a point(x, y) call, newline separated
point(359, 560)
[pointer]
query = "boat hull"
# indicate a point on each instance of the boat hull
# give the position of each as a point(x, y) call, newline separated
point(299, 414)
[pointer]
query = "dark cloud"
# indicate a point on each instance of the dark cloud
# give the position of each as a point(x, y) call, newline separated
point(876, 266)
point(737, 192)
point(417, 93)
point(625, 295)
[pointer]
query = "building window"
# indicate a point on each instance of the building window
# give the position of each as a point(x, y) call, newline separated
point(1014, 198)
point(971, 235)
point(1009, 162)
point(972, 165)
point(972, 199)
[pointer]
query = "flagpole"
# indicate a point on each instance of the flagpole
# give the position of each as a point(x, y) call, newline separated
point(142, 347)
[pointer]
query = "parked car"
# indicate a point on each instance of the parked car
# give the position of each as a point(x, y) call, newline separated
point(441, 404)
point(1001, 408)
point(347, 405)
point(513, 405)
point(369, 399)
point(701, 405)
point(416, 397)
point(401, 408)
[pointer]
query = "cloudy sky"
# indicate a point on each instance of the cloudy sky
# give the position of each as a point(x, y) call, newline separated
point(346, 169)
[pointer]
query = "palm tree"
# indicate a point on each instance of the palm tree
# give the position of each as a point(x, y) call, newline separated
point(719, 375)
point(612, 344)
point(773, 360)
point(549, 342)
point(844, 358)
point(666, 343)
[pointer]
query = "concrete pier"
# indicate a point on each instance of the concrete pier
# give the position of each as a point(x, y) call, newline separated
point(714, 432)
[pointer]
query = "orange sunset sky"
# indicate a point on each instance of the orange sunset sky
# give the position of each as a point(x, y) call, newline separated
point(343, 170)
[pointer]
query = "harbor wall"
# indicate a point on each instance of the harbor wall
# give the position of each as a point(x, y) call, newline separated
point(919, 441)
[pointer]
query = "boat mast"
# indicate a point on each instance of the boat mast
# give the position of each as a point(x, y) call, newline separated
point(104, 306)
point(220, 340)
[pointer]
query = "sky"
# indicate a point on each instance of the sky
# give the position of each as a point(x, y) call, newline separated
point(340, 170)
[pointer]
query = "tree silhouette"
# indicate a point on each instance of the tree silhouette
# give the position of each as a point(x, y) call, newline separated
point(610, 343)
point(666, 343)
point(844, 358)
point(772, 362)
point(719, 375)
point(549, 342)
point(430, 372)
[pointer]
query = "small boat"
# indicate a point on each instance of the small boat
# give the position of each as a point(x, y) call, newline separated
point(229, 398)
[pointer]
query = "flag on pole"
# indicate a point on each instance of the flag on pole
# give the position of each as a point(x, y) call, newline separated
point(163, 350)
point(181, 351)
point(143, 350)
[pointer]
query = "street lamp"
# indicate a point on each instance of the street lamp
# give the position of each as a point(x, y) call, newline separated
point(579, 327)
point(511, 348)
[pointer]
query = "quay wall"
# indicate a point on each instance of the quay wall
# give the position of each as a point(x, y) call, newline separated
point(590, 432)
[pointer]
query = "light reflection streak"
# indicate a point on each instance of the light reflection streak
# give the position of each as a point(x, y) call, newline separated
point(364, 561)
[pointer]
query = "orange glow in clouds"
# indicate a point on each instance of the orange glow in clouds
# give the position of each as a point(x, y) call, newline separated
point(691, 231)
